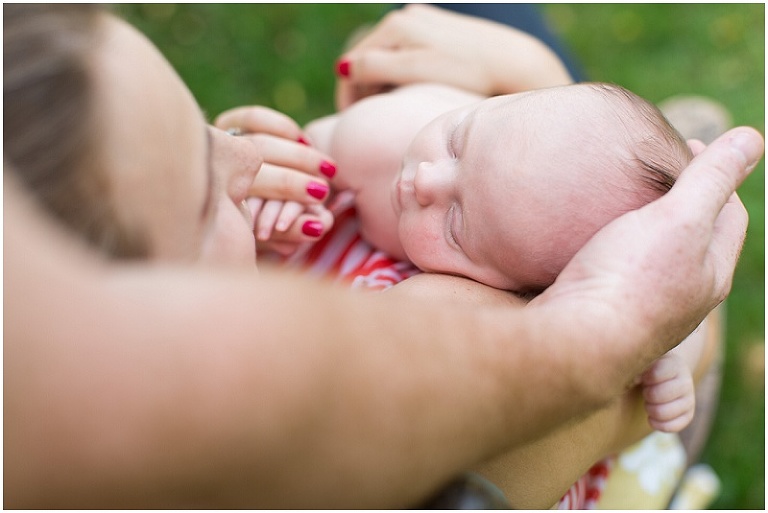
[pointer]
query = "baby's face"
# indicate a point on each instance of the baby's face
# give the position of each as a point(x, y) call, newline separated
point(505, 191)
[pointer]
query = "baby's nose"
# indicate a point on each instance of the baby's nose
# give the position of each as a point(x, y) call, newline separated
point(431, 184)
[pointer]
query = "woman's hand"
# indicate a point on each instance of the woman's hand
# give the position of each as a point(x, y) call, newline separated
point(287, 196)
point(656, 272)
point(422, 43)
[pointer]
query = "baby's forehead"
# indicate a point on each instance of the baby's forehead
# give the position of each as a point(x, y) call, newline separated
point(581, 101)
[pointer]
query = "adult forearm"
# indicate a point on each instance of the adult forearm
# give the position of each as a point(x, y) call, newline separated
point(421, 43)
point(181, 386)
point(536, 475)
point(225, 391)
point(535, 68)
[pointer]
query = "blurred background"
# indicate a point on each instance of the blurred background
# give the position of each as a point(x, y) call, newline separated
point(283, 55)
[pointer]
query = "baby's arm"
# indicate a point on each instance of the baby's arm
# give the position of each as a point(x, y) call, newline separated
point(320, 132)
point(343, 137)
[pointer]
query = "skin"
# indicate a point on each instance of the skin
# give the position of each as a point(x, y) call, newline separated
point(191, 188)
point(196, 210)
point(155, 432)
point(436, 185)
point(465, 180)
point(431, 44)
point(543, 202)
point(123, 417)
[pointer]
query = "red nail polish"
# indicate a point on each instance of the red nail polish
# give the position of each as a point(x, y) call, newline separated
point(312, 228)
point(327, 169)
point(342, 68)
point(303, 141)
point(317, 190)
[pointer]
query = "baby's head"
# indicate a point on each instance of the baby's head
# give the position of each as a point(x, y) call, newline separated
point(506, 191)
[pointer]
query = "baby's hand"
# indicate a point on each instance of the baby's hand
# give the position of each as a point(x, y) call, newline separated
point(281, 226)
point(287, 209)
point(287, 196)
point(669, 393)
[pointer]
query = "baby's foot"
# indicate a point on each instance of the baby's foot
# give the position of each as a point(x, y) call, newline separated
point(669, 394)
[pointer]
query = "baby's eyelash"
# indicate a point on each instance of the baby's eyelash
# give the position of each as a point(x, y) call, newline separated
point(451, 220)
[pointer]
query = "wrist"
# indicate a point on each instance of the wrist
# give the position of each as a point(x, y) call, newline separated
point(601, 350)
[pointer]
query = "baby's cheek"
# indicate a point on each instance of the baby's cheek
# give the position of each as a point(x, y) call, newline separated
point(429, 251)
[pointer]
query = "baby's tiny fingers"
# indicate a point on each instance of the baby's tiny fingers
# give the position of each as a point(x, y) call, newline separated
point(309, 226)
point(254, 205)
point(291, 210)
point(267, 219)
point(671, 410)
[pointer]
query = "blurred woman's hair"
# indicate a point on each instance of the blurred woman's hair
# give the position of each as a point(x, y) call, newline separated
point(50, 133)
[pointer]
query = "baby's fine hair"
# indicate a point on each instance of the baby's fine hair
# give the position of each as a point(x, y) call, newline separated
point(659, 152)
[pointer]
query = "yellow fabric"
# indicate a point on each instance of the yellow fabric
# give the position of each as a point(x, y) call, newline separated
point(645, 475)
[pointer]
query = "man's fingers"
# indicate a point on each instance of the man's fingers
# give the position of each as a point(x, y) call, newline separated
point(727, 241)
point(715, 174)
point(696, 146)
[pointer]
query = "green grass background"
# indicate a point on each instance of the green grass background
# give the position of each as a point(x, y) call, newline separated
point(282, 55)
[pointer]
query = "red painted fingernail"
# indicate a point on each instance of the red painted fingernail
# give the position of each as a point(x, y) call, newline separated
point(342, 68)
point(312, 228)
point(303, 141)
point(317, 190)
point(327, 169)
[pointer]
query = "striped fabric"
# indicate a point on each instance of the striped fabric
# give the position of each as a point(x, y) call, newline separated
point(585, 493)
point(342, 255)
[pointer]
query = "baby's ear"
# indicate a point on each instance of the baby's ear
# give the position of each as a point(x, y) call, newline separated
point(696, 146)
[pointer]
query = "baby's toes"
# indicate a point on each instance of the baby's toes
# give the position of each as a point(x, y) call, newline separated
point(668, 391)
point(671, 416)
point(672, 426)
